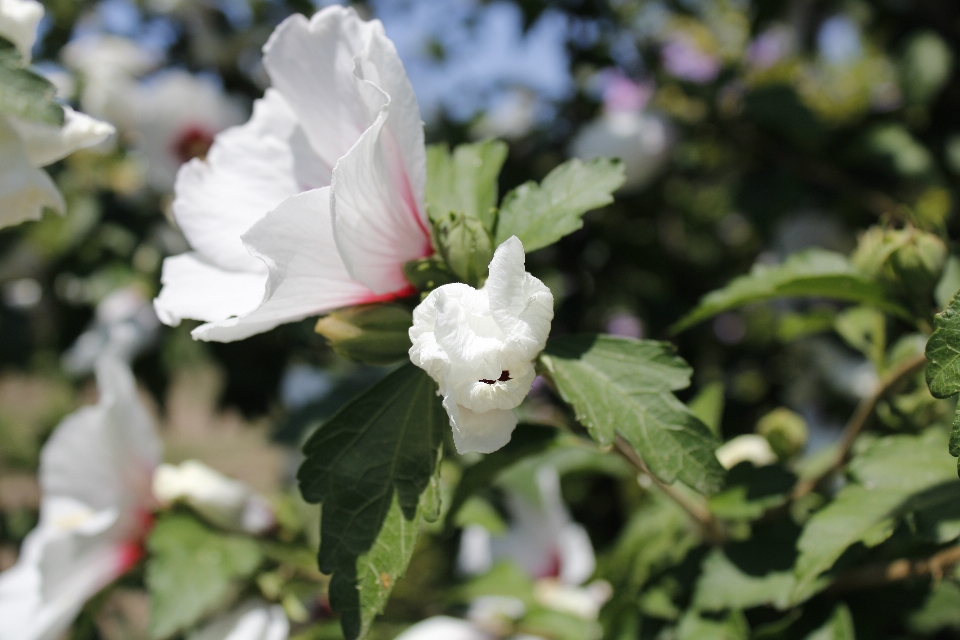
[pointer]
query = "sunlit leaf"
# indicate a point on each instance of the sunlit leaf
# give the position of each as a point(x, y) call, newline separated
point(542, 214)
point(624, 386)
point(813, 273)
point(891, 477)
point(465, 181)
point(374, 467)
point(193, 570)
point(23, 93)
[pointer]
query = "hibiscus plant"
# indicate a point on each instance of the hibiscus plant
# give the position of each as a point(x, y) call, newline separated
point(435, 485)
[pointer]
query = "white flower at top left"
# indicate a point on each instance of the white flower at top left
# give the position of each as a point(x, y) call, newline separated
point(25, 147)
point(95, 472)
point(314, 204)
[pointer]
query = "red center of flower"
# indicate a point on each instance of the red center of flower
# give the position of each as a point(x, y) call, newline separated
point(504, 376)
point(193, 142)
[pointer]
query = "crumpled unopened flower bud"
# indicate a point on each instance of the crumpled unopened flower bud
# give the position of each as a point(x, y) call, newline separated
point(480, 344)
point(223, 501)
point(466, 246)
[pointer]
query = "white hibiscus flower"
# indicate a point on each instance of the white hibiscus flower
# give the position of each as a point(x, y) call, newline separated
point(626, 129)
point(25, 147)
point(225, 502)
point(95, 473)
point(253, 620)
point(480, 344)
point(316, 202)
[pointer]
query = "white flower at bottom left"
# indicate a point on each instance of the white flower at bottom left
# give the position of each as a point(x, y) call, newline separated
point(96, 472)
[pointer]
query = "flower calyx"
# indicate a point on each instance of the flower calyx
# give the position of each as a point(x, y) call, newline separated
point(370, 334)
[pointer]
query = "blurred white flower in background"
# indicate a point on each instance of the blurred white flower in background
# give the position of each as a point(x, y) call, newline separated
point(167, 118)
point(543, 539)
point(445, 628)
point(109, 66)
point(480, 344)
point(749, 447)
point(225, 502)
point(124, 325)
point(177, 115)
point(26, 146)
point(95, 473)
point(18, 24)
point(317, 202)
point(253, 620)
point(627, 130)
point(547, 544)
point(685, 58)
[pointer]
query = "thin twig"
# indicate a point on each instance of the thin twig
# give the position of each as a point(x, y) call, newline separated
point(697, 510)
point(859, 420)
point(903, 569)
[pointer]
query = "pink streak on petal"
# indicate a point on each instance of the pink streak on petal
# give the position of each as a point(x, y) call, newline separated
point(129, 553)
point(389, 297)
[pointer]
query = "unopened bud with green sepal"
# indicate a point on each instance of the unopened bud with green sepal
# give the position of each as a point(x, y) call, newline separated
point(426, 274)
point(371, 334)
point(465, 245)
point(908, 262)
point(785, 430)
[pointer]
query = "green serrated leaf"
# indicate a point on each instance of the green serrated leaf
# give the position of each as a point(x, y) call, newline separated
point(526, 440)
point(751, 491)
point(193, 570)
point(839, 626)
point(943, 352)
point(466, 180)
point(542, 214)
point(750, 573)
point(23, 93)
point(892, 476)
point(624, 386)
point(812, 273)
point(375, 468)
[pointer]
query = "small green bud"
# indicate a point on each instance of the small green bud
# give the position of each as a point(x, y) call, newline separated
point(465, 245)
point(426, 274)
point(785, 430)
point(920, 261)
point(908, 262)
point(371, 334)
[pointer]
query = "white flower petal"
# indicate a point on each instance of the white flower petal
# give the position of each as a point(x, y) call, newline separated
point(254, 620)
point(18, 24)
point(24, 189)
point(521, 305)
point(196, 289)
point(26, 611)
point(311, 63)
point(378, 223)
point(248, 172)
point(444, 628)
point(577, 560)
point(46, 144)
point(104, 456)
point(306, 275)
point(95, 473)
point(482, 432)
